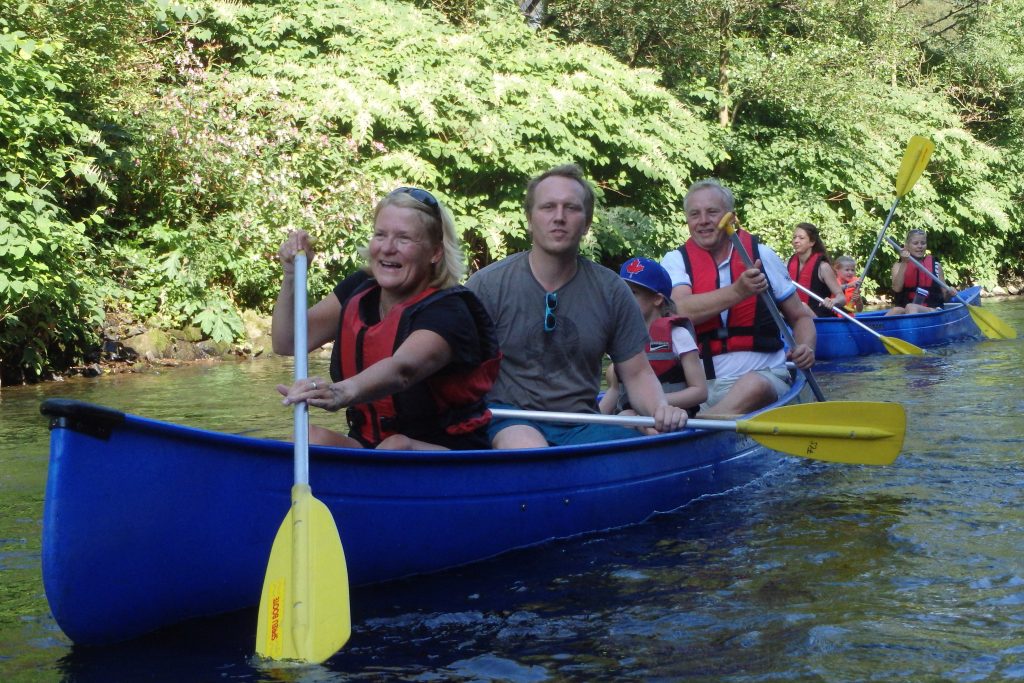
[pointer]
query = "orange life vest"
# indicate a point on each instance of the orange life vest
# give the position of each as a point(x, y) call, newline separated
point(914, 278)
point(849, 286)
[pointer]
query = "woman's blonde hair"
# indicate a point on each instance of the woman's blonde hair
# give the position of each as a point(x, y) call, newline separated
point(438, 223)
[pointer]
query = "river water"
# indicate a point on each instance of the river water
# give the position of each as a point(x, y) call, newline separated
point(815, 572)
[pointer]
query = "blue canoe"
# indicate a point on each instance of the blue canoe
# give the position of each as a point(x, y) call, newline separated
point(839, 338)
point(148, 523)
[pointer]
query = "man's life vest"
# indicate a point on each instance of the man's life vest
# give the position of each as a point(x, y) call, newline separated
point(452, 401)
point(750, 326)
point(914, 278)
point(809, 277)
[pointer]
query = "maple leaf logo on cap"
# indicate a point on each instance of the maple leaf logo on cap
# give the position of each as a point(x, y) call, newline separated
point(649, 274)
point(635, 266)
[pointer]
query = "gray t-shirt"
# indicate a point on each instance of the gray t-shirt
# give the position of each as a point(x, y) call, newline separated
point(559, 370)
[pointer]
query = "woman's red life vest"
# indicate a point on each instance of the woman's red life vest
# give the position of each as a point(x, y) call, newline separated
point(451, 401)
point(750, 326)
point(809, 277)
point(914, 278)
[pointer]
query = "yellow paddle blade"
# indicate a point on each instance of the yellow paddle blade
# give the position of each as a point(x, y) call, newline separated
point(990, 324)
point(855, 432)
point(900, 347)
point(919, 150)
point(304, 609)
point(728, 223)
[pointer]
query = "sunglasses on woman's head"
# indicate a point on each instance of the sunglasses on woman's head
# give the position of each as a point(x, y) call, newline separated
point(421, 196)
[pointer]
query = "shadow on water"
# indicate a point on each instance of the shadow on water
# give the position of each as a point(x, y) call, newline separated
point(202, 649)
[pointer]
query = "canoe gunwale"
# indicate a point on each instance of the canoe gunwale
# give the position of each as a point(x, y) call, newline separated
point(99, 421)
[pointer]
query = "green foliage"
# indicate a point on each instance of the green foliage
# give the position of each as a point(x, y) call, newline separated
point(977, 51)
point(237, 122)
point(398, 95)
point(112, 49)
point(48, 285)
point(819, 99)
point(154, 153)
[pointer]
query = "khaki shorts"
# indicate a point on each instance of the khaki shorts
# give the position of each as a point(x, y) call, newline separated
point(779, 378)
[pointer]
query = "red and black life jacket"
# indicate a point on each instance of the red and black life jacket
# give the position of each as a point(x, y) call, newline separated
point(914, 278)
point(450, 401)
point(663, 359)
point(809, 277)
point(750, 326)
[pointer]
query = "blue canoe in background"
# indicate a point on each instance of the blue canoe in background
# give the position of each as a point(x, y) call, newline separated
point(148, 523)
point(839, 338)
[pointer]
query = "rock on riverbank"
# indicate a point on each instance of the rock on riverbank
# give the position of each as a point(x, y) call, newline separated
point(137, 348)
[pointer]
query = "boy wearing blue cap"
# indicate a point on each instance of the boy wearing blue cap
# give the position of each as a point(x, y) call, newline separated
point(672, 351)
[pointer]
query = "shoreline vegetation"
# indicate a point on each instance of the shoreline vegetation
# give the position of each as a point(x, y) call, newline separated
point(136, 349)
point(155, 153)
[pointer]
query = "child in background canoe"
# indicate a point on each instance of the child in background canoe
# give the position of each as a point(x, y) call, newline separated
point(671, 351)
point(846, 275)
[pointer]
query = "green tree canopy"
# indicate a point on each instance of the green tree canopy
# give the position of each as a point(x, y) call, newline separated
point(818, 99)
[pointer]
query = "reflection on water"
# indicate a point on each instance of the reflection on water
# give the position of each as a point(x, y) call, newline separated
point(815, 572)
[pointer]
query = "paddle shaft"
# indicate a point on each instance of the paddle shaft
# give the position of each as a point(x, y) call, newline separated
point(601, 419)
point(891, 344)
point(881, 236)
point(301, 417)
point(305, 613)
point(915, 158)
point(769, 302)
point(743, 426)
point(300, 496)
point(837, 310)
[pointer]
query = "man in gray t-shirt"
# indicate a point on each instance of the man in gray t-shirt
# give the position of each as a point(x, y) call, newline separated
point(557, 314)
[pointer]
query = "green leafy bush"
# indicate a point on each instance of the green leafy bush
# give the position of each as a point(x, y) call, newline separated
point(50, 289)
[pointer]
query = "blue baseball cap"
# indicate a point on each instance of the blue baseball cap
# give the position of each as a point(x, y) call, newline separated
point(649, 274)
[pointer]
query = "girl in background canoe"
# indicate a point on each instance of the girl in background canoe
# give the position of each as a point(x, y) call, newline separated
point(810, 266)
point(414, 353)
point(915, 292)
point(671, 351)
point(846, 275)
